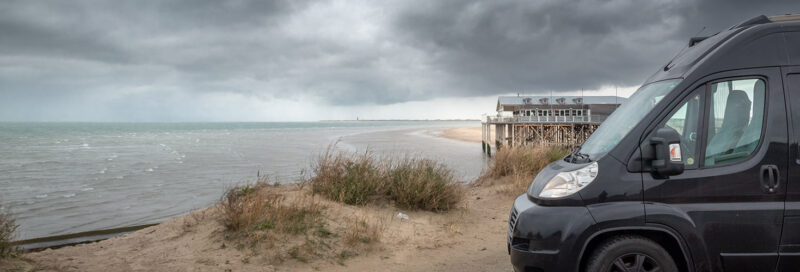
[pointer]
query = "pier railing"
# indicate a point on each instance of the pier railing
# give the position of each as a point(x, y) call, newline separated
point(544, 119)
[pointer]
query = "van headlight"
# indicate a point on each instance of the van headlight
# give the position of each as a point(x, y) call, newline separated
point(567, 183)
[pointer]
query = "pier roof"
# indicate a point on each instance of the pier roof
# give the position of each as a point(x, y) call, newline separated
point(557, 100)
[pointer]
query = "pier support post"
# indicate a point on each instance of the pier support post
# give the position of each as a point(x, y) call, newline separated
point(500, 135)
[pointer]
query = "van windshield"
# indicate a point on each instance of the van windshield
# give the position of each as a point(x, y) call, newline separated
point(619, 123)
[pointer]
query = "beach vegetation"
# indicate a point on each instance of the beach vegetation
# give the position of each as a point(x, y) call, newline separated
point(354, 179)
point(8, 228)
point(361, 178)
point(515, 167)
point(362, 231)
point(279, 223)
point(260, 206)
point(422, 184)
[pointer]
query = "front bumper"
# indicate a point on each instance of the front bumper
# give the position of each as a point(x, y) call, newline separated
point(544, 238)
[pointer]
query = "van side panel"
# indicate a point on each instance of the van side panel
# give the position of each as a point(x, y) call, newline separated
point(762, 49)
point(722, 212)
point(793, 42)
point(789, 251)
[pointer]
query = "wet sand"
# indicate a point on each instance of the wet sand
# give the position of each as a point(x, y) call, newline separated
point(466, 134)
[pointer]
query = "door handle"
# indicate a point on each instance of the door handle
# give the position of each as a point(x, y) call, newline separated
point(770, 178)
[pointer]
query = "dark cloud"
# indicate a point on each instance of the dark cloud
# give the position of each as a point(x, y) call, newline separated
point(132, 59)
point(496, 46)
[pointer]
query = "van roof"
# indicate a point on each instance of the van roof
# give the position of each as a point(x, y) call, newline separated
point(757, 42)
point(785, 18)
point(762, 19)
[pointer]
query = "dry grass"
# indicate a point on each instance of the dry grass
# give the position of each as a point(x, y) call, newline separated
point(362, 231)
point(8, 227)
point(10, 257)
point(360, 179)
point(260, 207)
point(354, 179)
point(423, 184)
point(278, 223)
point(516, 167)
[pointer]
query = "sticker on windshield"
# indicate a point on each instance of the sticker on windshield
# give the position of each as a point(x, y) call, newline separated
point(675, 152)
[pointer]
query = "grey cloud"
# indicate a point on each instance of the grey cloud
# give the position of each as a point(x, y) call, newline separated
point(497, 46)
point(333, 52)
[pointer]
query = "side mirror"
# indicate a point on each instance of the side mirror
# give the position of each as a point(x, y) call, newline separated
point(668, 160)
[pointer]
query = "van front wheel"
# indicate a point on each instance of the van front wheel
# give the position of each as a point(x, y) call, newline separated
point(631, 253)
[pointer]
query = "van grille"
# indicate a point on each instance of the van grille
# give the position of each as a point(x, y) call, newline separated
point(512, 221)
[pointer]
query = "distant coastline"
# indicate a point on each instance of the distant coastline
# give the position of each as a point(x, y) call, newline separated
point(404, 120)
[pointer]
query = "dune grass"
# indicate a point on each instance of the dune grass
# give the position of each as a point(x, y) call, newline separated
point(8, 227)
point(361, 178)
point(354, 179)
point(517, 166)
point(278, 222)
point(258, 207)
point(422, 184)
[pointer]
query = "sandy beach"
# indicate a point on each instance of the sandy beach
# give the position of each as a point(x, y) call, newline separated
point(467, 134)
point(471, 238)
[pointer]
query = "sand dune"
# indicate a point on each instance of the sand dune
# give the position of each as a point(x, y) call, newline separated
point(468, 239)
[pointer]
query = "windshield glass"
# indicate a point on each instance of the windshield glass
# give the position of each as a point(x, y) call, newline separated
point(619, 123)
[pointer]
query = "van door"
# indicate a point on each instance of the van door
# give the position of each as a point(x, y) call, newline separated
point(728, 204)
point(789, 250)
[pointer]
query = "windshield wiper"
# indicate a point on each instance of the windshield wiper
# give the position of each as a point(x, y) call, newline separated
point(576, 155)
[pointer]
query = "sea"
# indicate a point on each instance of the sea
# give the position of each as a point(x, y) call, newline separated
point(64, 178)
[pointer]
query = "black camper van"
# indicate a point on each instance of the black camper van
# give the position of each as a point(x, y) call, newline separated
point(698, 171)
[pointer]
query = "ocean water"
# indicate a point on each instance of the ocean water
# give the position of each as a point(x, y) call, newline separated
point(61, 178)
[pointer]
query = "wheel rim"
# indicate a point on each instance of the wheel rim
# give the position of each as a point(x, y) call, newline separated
point(634, 262)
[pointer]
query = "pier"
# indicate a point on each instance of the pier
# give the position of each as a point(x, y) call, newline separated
point(528, 120)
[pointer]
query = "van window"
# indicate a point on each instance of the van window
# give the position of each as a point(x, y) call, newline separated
point(624, 118)
point(685, 121)
point(734, 120)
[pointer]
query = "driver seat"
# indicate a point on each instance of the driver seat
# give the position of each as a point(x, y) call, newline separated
point(736, 119)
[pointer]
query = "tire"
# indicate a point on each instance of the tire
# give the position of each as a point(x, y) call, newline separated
point(630, 253)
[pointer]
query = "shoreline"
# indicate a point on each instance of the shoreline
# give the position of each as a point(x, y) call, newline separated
point(468, 134)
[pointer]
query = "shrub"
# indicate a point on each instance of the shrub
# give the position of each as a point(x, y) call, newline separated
point(423, 184)
point(279, 223)
point(8, 227)
point(354, 180)
point(258, 207)
point(360, 179)
point(517, 166)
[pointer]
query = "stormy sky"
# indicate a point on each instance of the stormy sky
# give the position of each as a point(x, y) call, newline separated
point(317, 60)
